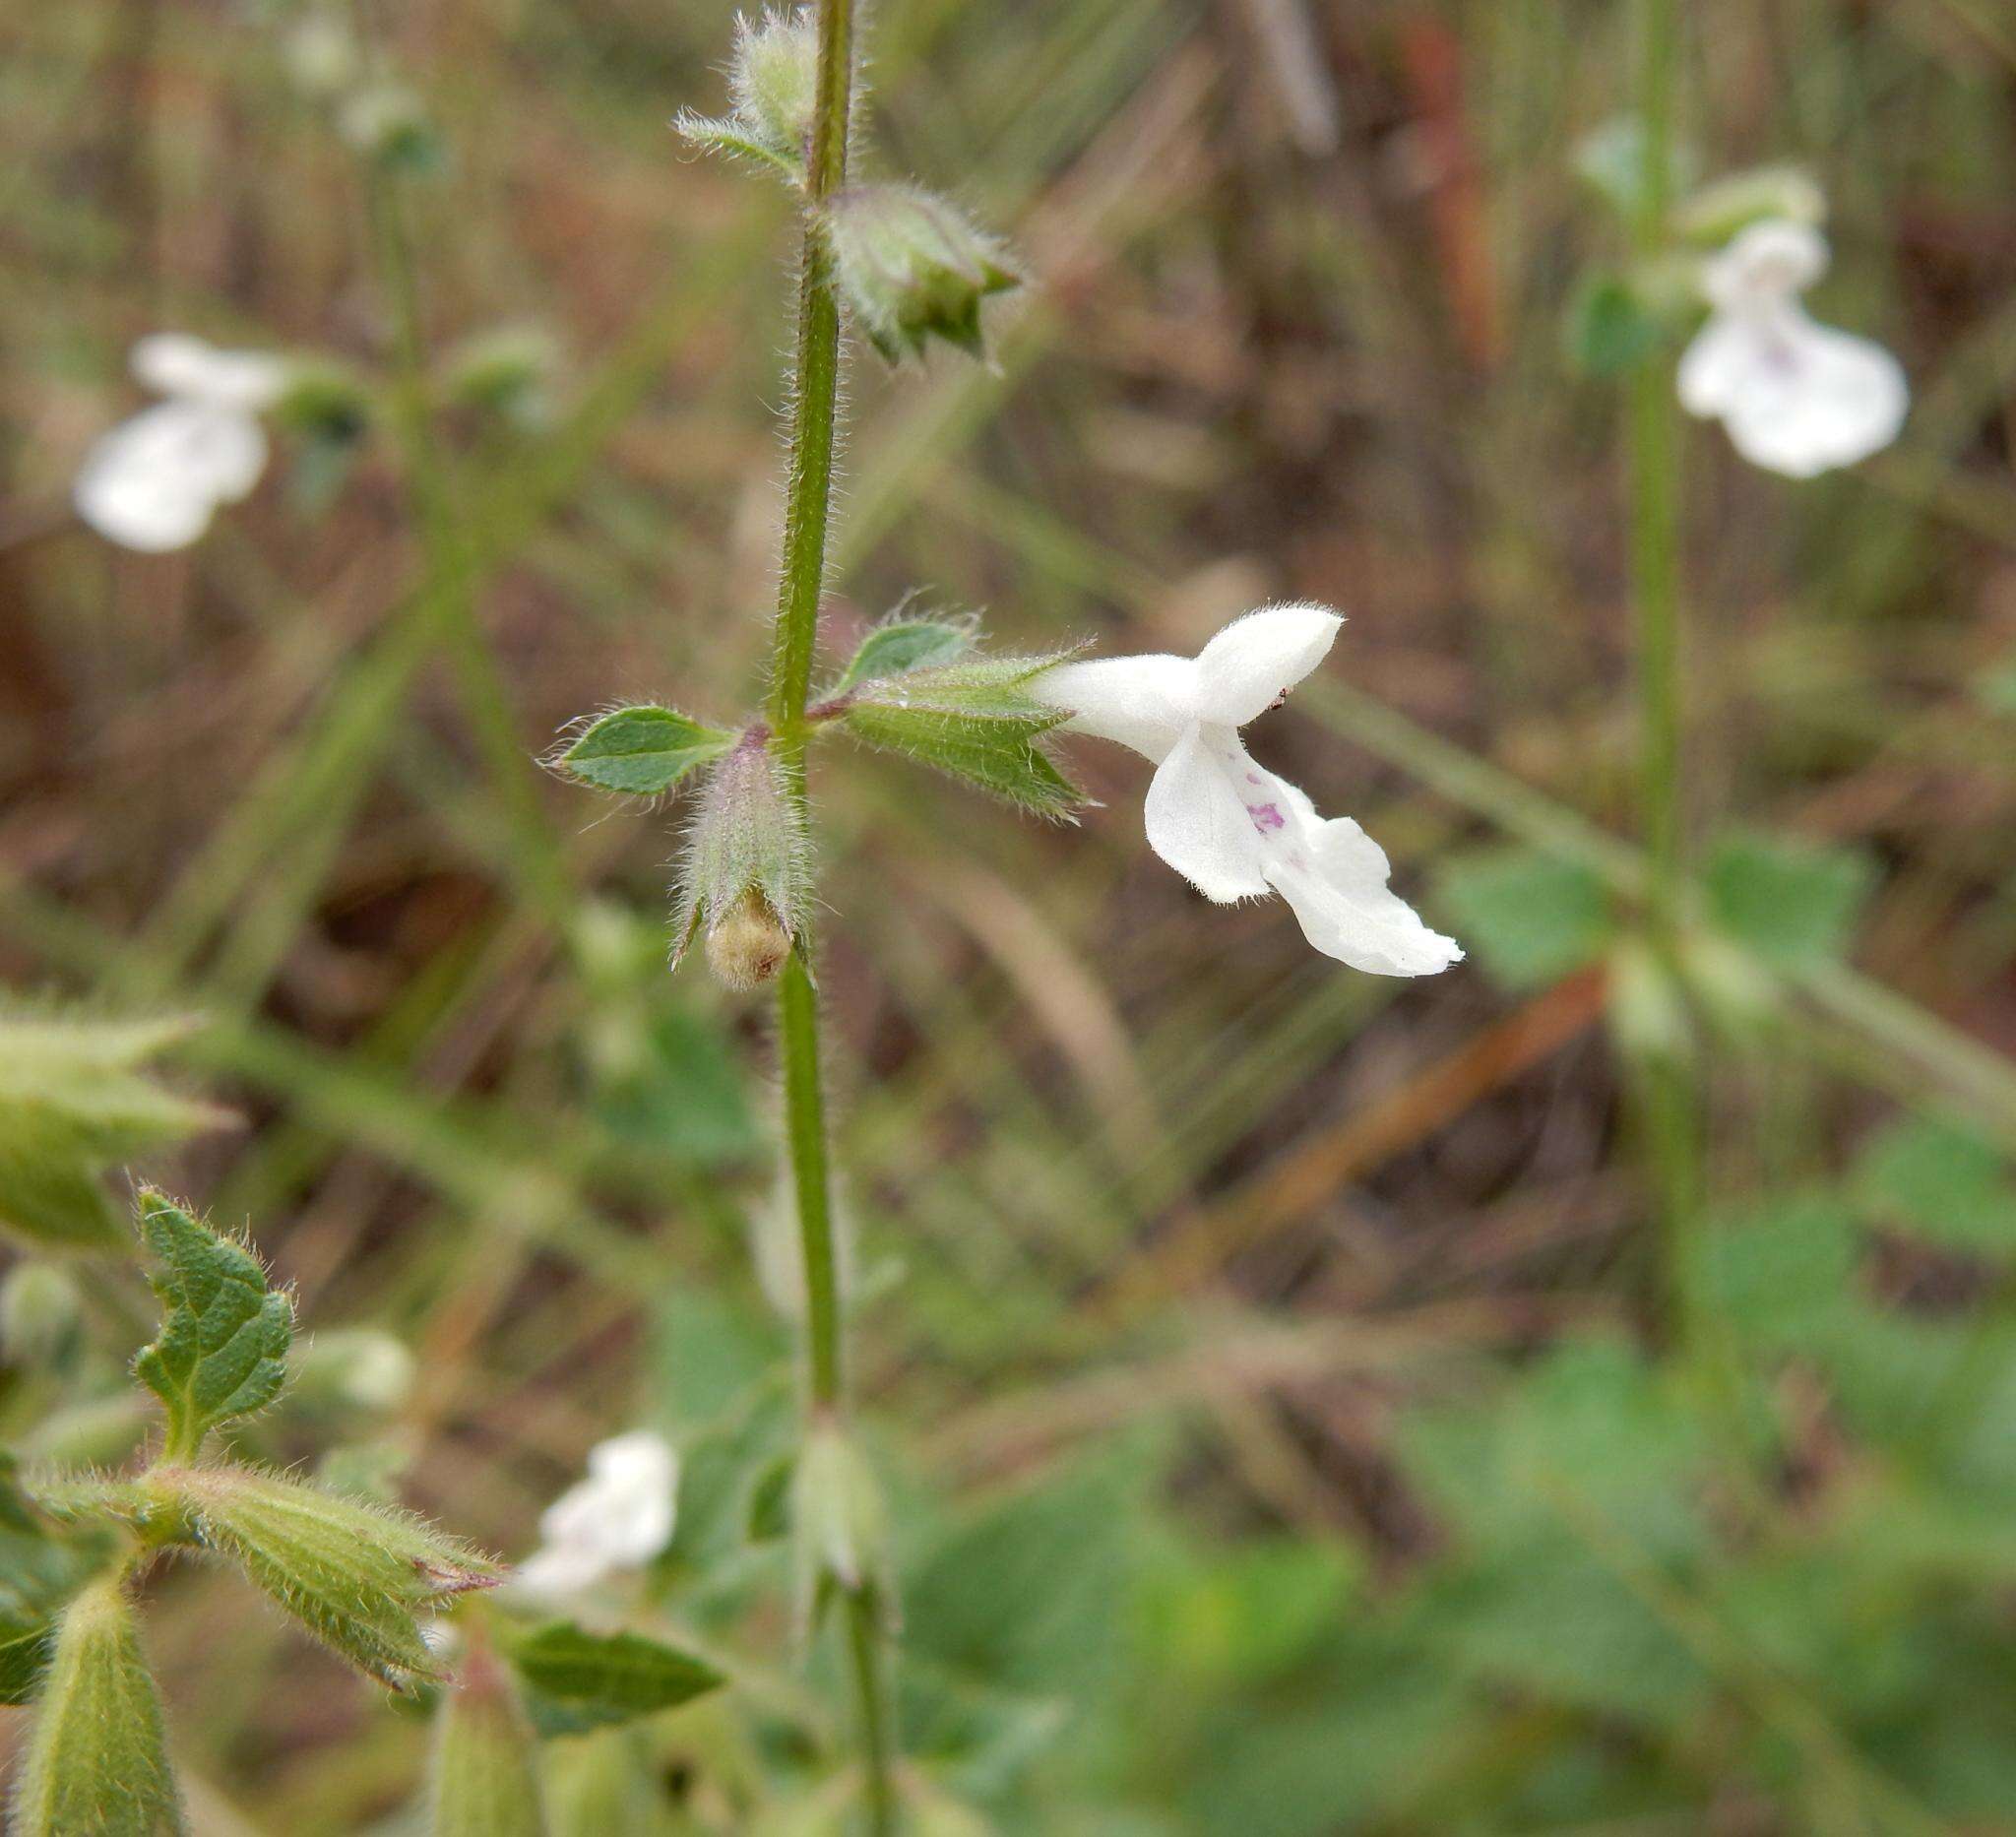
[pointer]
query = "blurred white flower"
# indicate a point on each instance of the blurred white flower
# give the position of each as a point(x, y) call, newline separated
point(155, 481)
point(1231, 828)
point(619, 1518)
point(1796, 396)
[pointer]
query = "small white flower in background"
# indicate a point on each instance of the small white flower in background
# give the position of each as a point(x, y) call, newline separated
point(616, 1519)
point(155, 481)
point(1796, 396)
point(1231, 828)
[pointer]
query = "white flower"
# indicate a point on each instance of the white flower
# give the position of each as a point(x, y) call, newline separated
point(1796, 396)
point(619, 1518)
point(154, 483)
point(1231, 829)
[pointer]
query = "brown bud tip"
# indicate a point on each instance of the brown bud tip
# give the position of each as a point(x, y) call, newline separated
point(749, 943)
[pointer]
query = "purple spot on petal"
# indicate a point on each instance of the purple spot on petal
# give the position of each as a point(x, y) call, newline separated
point(1252, 778)
point(1266, 817)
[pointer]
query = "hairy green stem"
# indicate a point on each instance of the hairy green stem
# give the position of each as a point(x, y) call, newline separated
point(801, 583)
point(1670, 1091)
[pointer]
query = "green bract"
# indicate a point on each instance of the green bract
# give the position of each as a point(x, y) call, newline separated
point(223, 1347)
point(774, 83)
point(579, 1680)
point(97, 1762)
point(73, 1101)
point(912, 268)
point(642, 751)
point(355, 1576)
point(974, 719)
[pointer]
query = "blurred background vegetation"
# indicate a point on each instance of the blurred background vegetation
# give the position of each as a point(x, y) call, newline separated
point(1288, 1429)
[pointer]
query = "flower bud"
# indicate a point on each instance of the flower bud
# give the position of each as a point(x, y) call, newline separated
point(388, 123)
point(1735, 993)
point(1648, 1009)
point(775, 79)
point(837, 1512)
point(40, 1306)
point(910, 267)
point(773, 84)
point(749, 944)
point(744, 874)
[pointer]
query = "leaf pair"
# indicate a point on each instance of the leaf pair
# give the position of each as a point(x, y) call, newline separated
point(73, 1101)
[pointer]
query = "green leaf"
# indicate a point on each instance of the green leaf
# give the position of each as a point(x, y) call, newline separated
point(487, 1777)
point(97, 1761)
point(1608, 329)
point(1532, 918)
point(1780, 1274)
point(596, 1678)
point(900, 646)
point(1941, 1182)
point(222, 1348)
point(1793, 903)
point(641, 750)
point(355, 1576)
point(1251, 1612)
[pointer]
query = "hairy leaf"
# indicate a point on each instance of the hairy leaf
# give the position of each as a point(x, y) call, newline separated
point(222, 1348)
point(355, 1576)
point(900, 646)
point(641, 750)
point(592, 1679)
point(97, 1761)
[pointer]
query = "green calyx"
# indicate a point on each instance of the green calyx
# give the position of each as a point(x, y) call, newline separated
point(912, 268)
point(98, 1760)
